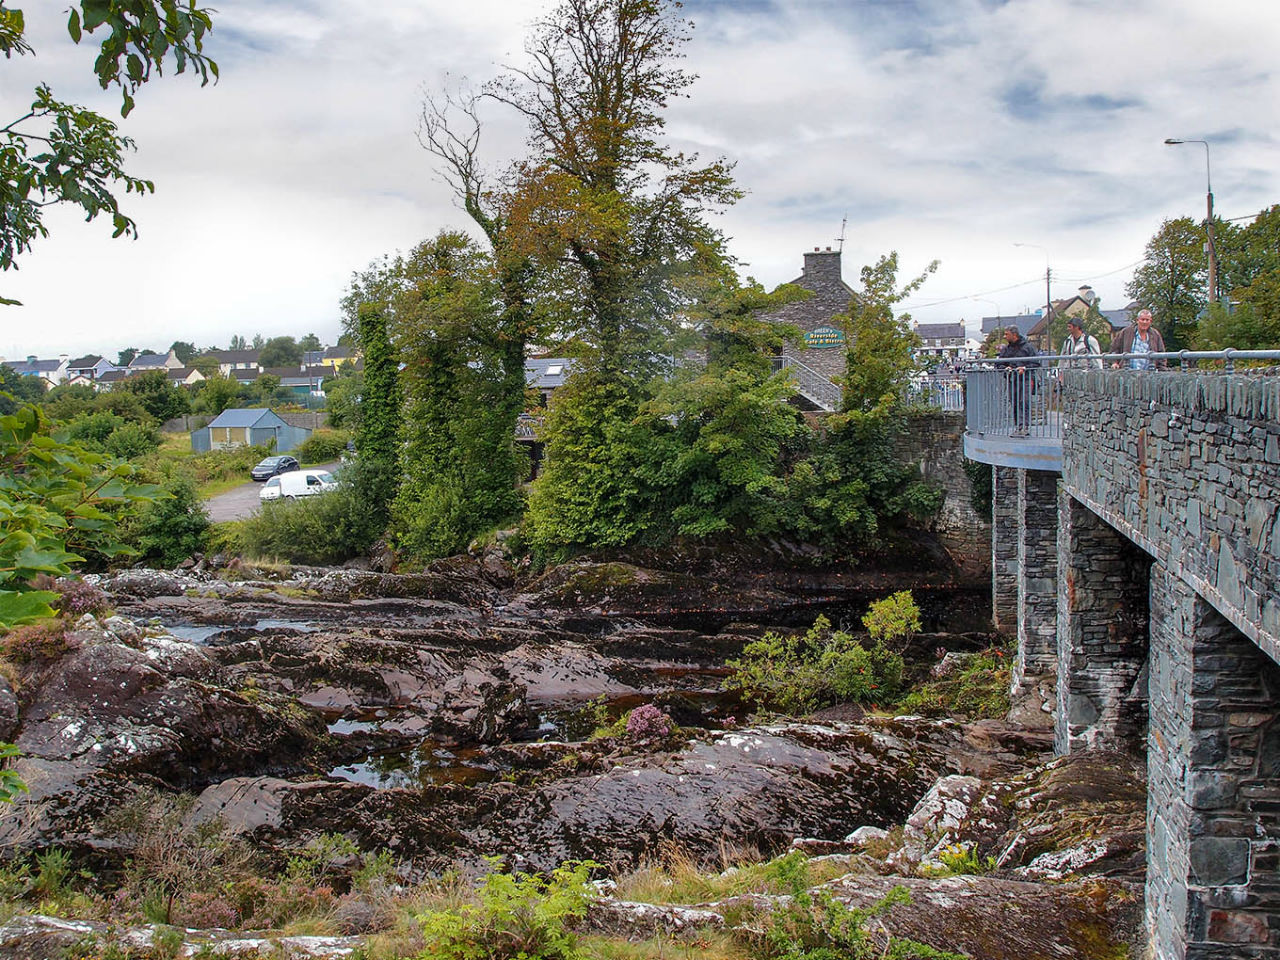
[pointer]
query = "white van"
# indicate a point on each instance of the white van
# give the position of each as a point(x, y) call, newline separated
point(298, 483)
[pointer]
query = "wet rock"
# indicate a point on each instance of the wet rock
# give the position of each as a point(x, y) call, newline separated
point(148, 583)
point(622, 589)
point(761, 787)
point(8, 710)
point(65, 805)
point(38, 937)
point(112, 705)
point(934, 824)
point(1007, 920)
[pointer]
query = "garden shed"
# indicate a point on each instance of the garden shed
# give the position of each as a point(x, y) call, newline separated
point(252, 427)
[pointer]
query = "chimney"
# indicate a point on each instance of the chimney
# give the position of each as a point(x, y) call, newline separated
point(823, 264)
point(1087, 294)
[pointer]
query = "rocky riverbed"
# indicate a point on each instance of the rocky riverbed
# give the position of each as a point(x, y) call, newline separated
point(442, 717)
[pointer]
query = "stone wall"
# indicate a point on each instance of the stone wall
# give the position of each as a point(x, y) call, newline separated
point(1102, 634)
point(830, 296)
point(1038, 577)
point(936, 441)
point(1213, 794)
point(1187, 465)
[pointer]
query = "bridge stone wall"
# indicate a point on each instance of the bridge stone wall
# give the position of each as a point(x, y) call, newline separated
point(935, 440)
point(1187, 466)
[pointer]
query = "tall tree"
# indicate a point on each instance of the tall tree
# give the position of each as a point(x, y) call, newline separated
point(881, 352)
point(237, 343)
point(280, 352)
point(377, 439)
point(60, 153)
point(184, 351)
point(125, 356)
point(309, 342)
point(461, 464)
point(614, 218)
point(1171, 281)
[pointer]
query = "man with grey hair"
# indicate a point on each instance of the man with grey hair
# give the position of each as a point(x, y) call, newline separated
point(1140, 338)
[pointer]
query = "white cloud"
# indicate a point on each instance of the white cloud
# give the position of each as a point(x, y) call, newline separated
point(941, 129)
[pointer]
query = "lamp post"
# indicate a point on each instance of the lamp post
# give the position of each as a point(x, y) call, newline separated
point(1208, 223)
point(1048, 297)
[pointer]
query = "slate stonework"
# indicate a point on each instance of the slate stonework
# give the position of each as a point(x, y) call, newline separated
point(831, 296)
point(1004, 548)
point(1187, 465)
point(1038, 576)
point(936, 441)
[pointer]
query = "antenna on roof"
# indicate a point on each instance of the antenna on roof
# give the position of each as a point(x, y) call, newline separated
point(843, 223)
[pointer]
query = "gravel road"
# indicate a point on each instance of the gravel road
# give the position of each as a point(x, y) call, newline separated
point(243, 500)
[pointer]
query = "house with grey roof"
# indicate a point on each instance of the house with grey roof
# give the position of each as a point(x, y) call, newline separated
point(50, 372)
point(236, 362)
point(940, 339)
point(547, 374)
point(89, 367)
point(154, 361)
point(248, 426)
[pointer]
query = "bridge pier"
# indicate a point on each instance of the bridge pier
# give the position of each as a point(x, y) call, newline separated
point(1005, 537)
point(1213, 807)
point(1038, 577)
point(1102, 634)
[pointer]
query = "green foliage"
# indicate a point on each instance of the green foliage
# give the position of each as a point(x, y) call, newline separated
point(800, 673)
point(895, 618)
point(216, 394)
point(1172, 279)
point(160, 399)
point(817, 926)
point(1094, 323)
point(880, 357)
point(58, 503)
point(173, 528)
point(10, 783)
point(322, 446)
point(53, 870)
point(978, 690)
point(131, 441)
point(73, 155)
point(591, 492)
point(15, 389)
point(377, 438)
point(328, 528)
point(961, 860)
point(519, 917)
point(464, 389)
point(280, 352)
point(342, 399)
point(1253, 324)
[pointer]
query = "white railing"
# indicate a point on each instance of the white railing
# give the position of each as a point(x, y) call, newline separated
point(810, 384)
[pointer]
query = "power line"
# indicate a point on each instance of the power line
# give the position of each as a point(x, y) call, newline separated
point(1025, 283)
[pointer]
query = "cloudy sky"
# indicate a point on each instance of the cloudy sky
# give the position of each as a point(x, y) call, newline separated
point(947, 129)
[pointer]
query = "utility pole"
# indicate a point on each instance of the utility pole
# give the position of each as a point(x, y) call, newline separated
point(1210, 246)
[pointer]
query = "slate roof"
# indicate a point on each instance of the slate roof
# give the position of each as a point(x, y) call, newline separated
point(246, 417)
point(1023, 321)
point(114, 376)
point(337, 353)
point(80, 363)
point(148, 361)
point(547, 373)
point(939, 331)
point(33, 367)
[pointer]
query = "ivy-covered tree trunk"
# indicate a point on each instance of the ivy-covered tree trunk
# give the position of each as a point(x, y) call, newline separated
point(377, 440)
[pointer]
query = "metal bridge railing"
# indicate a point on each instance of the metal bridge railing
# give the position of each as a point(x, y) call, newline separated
point(946, 392)
point(1022, 397)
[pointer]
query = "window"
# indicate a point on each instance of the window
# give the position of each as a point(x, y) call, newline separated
point(312, 480)
point(554, 369)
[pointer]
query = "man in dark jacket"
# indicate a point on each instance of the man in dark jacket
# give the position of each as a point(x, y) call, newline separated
point(1019, 377)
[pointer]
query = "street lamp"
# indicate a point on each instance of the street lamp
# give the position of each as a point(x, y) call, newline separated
point(1212, 248)
point(1048, 297)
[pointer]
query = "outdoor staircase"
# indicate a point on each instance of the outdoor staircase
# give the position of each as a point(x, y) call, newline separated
point(810, 384)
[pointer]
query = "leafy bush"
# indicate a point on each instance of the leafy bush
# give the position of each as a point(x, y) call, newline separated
point(91, 430)
point(172, 529)
point(979, 690)
point(519, 917)
point(10, 783)
point(328, 528)
point(961, 860)
point(895, 618)
point(817, 926)
point(130, 441)
point(801, 673)
point(322, 446)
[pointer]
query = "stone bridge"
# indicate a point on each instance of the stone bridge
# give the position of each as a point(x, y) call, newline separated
point(1136, 548)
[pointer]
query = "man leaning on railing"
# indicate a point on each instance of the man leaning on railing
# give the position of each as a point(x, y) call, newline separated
point(1139, 339)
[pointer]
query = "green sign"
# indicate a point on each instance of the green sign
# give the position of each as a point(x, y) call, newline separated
point(820, 337)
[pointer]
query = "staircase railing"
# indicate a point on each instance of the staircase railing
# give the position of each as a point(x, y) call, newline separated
point(810, 384)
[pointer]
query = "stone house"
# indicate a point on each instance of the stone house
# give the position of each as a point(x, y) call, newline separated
point(824, 341)
point(940, 339)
